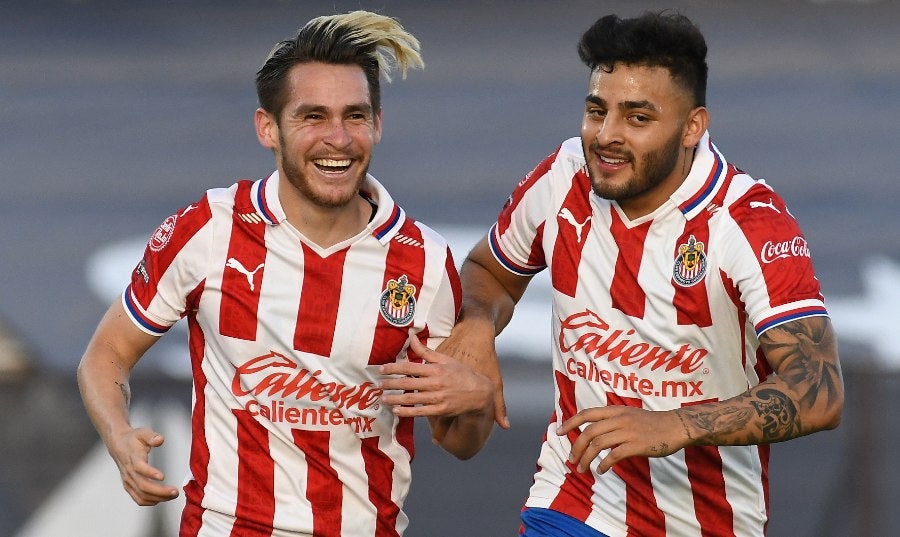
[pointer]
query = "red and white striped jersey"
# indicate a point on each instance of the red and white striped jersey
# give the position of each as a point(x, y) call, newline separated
point(659, 312)
point(289, 433)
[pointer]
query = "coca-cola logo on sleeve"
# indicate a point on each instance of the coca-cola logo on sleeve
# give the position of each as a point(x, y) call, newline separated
point(775, 250)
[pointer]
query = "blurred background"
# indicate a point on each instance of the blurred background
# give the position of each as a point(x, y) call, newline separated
point(114, 114)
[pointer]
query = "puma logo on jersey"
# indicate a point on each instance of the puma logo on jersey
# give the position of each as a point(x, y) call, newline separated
point(567, 215)
point(187, 209)
point(236, 265)
point(762, 204)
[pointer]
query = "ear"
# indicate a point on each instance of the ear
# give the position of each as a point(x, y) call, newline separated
point(266, 129)
point(696, 124)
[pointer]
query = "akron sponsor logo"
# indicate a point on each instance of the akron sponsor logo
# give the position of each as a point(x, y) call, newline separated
point(160, 238)
point(774, 250)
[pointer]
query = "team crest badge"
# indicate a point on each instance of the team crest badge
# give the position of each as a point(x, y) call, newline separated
point(398, 303)
point(690, 265)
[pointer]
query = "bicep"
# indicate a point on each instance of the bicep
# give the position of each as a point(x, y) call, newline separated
point(481, 266)
point(117, 341)
point(804, 354)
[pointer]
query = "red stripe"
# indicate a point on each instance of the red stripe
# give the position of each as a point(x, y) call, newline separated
point(255, 510)
point(379, 469)
point(323, 487)
point(317, 315)
point(574, 498)
point(711, 506)
point(246, 250)
point(789, 278)
point(692, 303)
point(455, 285)
point(505, 217)
point(569, 243)
point(194, 490)
point(642, 515)
point(402, 260)
point(168, 240)
point(627, 295)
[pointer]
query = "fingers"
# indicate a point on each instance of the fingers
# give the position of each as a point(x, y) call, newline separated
point(500, 415)
point(142, 481)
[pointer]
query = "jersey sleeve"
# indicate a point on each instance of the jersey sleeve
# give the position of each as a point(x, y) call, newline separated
point(515, 239)
point(171, 269)
point(770, 262)
point(446, 303)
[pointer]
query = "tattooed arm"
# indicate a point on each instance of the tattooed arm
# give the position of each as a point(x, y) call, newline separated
point(806, 395)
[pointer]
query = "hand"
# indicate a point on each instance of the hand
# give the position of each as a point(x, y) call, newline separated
point(439, 386)
point(142, 482)
point(472, 343)
point(626, 432)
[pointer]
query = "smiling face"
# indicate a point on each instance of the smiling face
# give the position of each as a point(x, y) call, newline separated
point(638, 135)
point(324, 138)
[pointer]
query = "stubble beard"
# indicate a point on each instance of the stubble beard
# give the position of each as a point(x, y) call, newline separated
point(654, 168)
point(295, 175)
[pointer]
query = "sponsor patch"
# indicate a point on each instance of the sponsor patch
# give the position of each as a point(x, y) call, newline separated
point(141, 270)
point(160, 238)
point(690, 264)
point(398, 303)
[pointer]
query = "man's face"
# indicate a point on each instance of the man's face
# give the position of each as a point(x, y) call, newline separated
point(326, 132)
point(632, 135)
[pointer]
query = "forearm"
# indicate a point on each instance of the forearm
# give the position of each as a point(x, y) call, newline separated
point(485, 298)
point(465, 434)
point(804, 397)
point(106, 394)
point(105, 369)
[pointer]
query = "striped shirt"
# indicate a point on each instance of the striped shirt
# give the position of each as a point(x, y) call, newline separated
point(659, 312)
point(289, 433)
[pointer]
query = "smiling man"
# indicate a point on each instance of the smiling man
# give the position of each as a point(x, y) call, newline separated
point(311, 300)
point(688, 328)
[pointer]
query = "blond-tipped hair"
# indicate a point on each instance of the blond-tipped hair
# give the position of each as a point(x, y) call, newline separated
point(376, 43)
point(391, 44)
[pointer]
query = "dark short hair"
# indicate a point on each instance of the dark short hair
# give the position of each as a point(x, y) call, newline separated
point(668, 40)
point(373, 42)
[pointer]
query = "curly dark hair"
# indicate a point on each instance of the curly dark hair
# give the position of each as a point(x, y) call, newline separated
point(668, 40)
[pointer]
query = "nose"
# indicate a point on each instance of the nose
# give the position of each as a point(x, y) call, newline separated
point(337, 134)
point(609, 131)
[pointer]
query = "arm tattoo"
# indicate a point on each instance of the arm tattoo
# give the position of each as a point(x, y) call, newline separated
point(780, 419)
point(126, 393)
point(806, 352)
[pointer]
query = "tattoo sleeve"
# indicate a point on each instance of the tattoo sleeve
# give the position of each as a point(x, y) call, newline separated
point(805, 395)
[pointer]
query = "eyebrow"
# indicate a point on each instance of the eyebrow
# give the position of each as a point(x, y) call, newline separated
point(626, 105)
point(355, 107)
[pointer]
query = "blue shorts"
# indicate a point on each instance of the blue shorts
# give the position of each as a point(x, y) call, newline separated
point(539, 522)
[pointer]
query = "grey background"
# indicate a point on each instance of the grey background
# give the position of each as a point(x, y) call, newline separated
point(113, 114)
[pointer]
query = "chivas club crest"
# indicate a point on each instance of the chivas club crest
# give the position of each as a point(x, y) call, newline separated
point(398, 305)
point(690, 265)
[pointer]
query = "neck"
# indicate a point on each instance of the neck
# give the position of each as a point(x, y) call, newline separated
point(325, 226)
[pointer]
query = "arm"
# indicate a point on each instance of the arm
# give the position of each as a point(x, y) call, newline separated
point(490, 294)
point(437, 388)
point(103, 375)
point(806, 395)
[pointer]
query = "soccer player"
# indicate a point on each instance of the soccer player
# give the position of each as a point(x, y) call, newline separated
point(688, 327)
point(298, 288)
